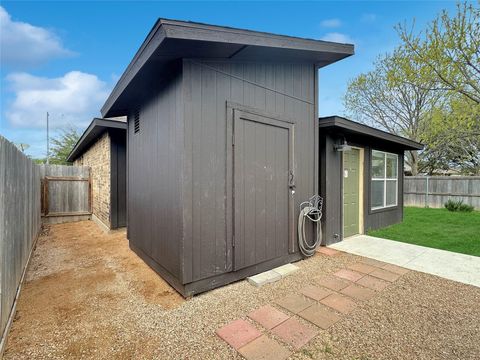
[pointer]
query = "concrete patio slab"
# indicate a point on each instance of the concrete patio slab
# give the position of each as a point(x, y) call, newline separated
point(449, 265)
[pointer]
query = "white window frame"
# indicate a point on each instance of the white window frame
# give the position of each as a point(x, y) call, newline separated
point(385, 180)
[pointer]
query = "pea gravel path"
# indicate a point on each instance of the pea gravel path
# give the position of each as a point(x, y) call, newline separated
point(88, 296)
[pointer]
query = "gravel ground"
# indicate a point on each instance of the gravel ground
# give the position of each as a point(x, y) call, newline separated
point(88, 296)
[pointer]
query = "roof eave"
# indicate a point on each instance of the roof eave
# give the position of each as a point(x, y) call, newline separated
point(173, 29)
point(84, 140)
point(346, 124)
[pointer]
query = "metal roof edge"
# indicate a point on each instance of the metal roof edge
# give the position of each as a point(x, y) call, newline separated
point(85, 139)
point(177, 29)
point(344, 123)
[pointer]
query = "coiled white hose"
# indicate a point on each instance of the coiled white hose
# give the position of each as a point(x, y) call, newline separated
point(312, 210)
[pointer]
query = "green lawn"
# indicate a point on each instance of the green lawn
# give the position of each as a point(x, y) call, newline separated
point(437, 228)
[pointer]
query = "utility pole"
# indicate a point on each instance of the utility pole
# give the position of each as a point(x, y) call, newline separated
point(48, 143)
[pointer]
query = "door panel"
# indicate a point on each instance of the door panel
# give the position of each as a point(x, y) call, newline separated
point(351, 195)
point(263, 157)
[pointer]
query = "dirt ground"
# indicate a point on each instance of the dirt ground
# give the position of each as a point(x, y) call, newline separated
point(88, 296)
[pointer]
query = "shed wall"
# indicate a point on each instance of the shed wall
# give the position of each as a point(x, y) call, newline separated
point(283, 90)
point(97, 157)
point(331, 164)
point(154, 154)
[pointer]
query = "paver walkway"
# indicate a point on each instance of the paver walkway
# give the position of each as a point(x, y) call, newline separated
point(275, 331)
point(449, 265)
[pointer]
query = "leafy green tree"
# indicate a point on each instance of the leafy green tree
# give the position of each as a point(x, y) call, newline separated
point(62, 145)
point(380, 98)
point(453, 138)
point(450, 48)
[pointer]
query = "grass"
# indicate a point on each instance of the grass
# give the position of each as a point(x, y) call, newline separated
point(437, 228)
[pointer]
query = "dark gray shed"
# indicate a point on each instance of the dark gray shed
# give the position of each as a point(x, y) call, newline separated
point(222, 126)
point(370, 163)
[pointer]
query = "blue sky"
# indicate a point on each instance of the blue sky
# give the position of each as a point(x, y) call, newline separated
point(65, 57)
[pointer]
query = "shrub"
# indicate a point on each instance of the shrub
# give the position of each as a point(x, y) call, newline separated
point(452, 205)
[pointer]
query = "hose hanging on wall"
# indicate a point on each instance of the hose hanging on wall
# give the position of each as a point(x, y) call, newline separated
point(311, 209)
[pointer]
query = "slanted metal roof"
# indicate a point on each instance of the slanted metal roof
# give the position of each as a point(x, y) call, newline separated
point(355, 128)
point(92, 133)
point(170, 40)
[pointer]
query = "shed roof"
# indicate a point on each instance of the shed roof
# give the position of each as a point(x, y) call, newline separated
point(171, 40)
point(96, 128)
point(355, 128)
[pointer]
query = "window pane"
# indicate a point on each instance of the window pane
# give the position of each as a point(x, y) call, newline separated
point(391, 192)
point(377, 193)
point(378, 164)
point(392, 166)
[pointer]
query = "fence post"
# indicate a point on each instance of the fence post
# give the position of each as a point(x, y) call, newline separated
point(426, 192)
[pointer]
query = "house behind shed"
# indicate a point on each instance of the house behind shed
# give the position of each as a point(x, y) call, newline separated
point(222, 148)
point(102, 147)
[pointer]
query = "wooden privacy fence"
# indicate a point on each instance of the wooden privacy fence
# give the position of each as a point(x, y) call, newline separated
point(20, 225)
point(435, 191)
point(66, 193)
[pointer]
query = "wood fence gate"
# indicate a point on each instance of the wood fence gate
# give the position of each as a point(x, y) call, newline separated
point(66, 193)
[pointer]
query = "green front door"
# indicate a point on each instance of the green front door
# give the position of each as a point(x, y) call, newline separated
point(351, 196)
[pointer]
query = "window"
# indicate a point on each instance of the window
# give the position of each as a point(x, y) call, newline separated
point(384, 180)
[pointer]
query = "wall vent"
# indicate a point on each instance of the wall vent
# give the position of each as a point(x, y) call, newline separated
point(136, 121)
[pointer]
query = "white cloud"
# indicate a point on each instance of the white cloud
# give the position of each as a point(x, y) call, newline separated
point(71, 99)
point(368, 17)
point(338, 37)
point(25, 44)
point(331, 23)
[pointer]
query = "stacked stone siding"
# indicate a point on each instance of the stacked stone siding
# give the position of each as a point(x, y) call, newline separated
point(98, 158)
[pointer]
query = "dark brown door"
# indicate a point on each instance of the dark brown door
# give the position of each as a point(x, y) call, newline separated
point(263, 163)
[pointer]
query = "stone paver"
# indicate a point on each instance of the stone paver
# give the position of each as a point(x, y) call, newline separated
point(396, 269)
point(348, 275)
point(385, 275)
point(332, 282)
point(340, 303)
point(373, 283)
point(264, 348)
point(285, 270)
point(362, 268)
point(238, 333)
point(315, 292)
point(294, 303)
point(327, 251)
point(320, 316)
point(268, 316)
point(373, 262)
point(294, 333)
point(264, 278)
point(358, 292)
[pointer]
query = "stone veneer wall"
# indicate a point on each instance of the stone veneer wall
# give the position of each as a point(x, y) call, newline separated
point(98, 158)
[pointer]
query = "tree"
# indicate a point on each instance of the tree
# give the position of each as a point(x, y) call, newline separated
point(62, 145)
point(380, 98)
point(450, 48)
point(453, 138)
